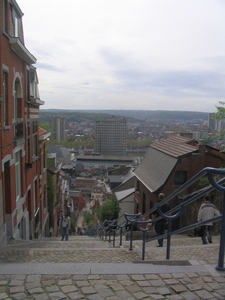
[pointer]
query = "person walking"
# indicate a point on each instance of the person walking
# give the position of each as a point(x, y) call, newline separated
point(207, 211)
point(160, 225)
point(65, 226)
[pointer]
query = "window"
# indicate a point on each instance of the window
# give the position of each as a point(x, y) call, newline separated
point(5, 16)
point(180, 177)
point(17, 101)
point(5, 98)
point(34, 148)
point(18, 174)
point(16, 26)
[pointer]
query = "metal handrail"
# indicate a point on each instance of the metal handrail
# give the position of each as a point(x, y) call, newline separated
point(210, 172)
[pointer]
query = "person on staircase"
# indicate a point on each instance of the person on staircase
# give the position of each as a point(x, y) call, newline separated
point(65, 226)
point(207, 211)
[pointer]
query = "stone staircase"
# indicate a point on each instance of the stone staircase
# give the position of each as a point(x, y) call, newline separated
point(80, 249)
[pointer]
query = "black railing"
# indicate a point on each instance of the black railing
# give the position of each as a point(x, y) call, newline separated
point(138, 220)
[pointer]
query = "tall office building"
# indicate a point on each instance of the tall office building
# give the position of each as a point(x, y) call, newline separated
point(58, 128)
point(213, 123)
point(111, 136)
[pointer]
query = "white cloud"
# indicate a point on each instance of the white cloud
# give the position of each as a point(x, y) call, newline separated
point(130, 54)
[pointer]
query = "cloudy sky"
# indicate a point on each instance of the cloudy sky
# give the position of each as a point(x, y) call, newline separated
point(128, 54)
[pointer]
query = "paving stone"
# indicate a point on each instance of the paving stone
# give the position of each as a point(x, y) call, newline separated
point(219, 278)
point(93, 277)
point(214, 285)
point(82, 283)
point(186, 280)
point(79, 277)
point(151, 277)
point(126, 282)
point(178, 275)
point(122, 277)
point(175, 297)
point(35, 291)
point(138, 277)
point(150, 290)
point(57, 296)
point(204, 294)
point(100, 286)
point(158, 282)
point(76, 296)
point(48, 282)
point(3, 289)
point(18, 277)
point(106, 292)
point(156, 296)
point(69, 289)
point(178, 288)
point(16, 282)
point(193, 287)
point(217, 296)
point(133, 288)
point(165, 276)
point(221, 292)
point(123, 294)
point(41, 297)
point(32, 285)
point(112, 298)
point(53, 288)
point(95, 297)
point(188, 296)
point(33, 278)
point(3, 296)
point(88, 290)
point(19, 296)
point(117, 287)
point(17, 289)
point(140, 295)
point(143, 283)
point(163, 291)
point(171, 281)
point(207, 279)
point(65, 282)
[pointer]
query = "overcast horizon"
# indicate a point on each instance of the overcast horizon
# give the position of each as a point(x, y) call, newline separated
point(129, 54)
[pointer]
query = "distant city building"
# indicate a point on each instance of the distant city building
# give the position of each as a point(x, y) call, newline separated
point(58, 128)
point(111, 136)
point(211, 121)
point(196, 135)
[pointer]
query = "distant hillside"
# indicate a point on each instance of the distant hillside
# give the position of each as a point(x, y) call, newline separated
point(131, 115)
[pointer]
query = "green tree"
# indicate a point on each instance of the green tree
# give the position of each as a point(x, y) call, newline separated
point(44, 125)
point(109, 209)
point(89, 219)
point(220, 114)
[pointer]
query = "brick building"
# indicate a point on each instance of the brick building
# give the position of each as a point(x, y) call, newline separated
point(167, 165)
point(19, 115)
point(42, 217)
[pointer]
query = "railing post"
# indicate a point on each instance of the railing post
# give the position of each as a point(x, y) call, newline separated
point(220, 266)
point(121, 235)
point(168, 238)
point(114, 238)
point(143, 245)
point(131, 236)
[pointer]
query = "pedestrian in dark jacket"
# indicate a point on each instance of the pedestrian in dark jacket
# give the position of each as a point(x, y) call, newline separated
point(160, 225)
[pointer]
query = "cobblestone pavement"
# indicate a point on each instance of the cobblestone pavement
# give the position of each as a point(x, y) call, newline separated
point(90, 268)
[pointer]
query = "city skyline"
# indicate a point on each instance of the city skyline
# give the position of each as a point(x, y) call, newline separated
point(132, 54)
